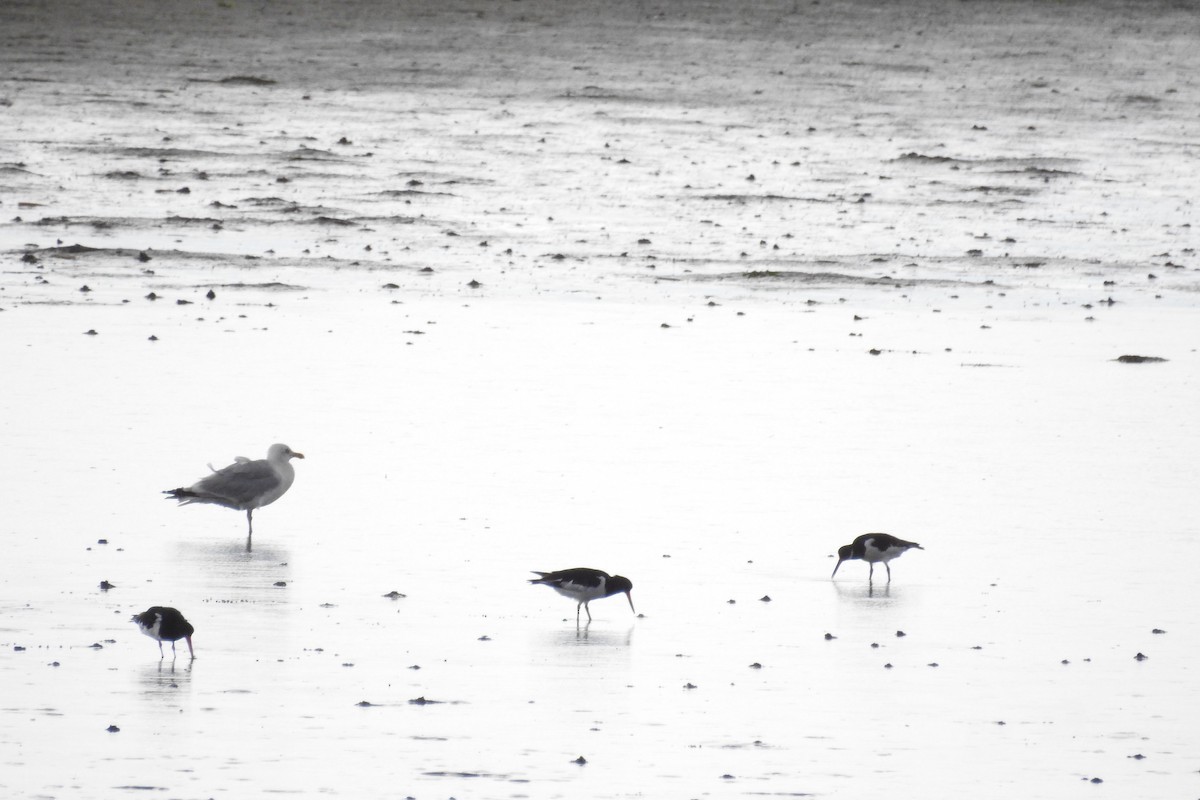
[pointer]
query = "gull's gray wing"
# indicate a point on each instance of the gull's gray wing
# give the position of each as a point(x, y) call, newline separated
point(241, 483)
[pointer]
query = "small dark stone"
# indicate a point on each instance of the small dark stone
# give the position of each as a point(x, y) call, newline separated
point(1137, 756)
point(1158, 630)
point(143, 257)
point(90, 332)
point(689, 686)
point(281, 583)
point(874, 644)
point(726, 777)
point(474, 284)
point(756, 665)
point(153, 338)
point(113, 729)
point(85, 288)
point(105, 586)
point(887, 666)
point(1140, 359)
point(395, 595)
point(901, 633)
point(1141, 656)
point(580, 761)
point(29, 258)
point(829, 637)
point(1097, 780)
point(484, 638)
point(363, 704)
point(425, 269)
point(390, 286)
point(102, 541)
point(182, 302)
point(211, 295)
point(874, 351)
point(152, 296)
point(18, 648)
point(766, 598)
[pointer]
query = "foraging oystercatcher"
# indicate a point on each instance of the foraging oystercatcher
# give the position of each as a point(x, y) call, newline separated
point(244, 485)
point(874, 547)
point(584, 585)
point(165, 624)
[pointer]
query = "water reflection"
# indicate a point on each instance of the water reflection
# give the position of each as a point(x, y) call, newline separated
point(875, 594)
point(228, 565)
point(591, 634)
point(166, 677)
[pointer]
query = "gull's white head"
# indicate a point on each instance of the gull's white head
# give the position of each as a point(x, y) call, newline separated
point(281, 452)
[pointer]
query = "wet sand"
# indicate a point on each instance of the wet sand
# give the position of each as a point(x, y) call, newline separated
point(694, 293)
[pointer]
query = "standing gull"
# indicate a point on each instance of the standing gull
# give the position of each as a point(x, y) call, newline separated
point(583, 585)
point(244, 485)
point(165, 624)
point(874, 547)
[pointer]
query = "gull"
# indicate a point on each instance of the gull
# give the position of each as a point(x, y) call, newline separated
point(244, 485)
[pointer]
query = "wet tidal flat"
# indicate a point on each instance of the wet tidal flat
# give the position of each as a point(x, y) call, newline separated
point(693, 293)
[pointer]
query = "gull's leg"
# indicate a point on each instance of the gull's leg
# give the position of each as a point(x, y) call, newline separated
point(161, 654)
point(889, 569)
point(871, 574)
point(589, 612)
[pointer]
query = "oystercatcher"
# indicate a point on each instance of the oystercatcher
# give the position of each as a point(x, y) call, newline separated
point(244, 485)
point(874, 547)
point(165, 624)
point(584, 585)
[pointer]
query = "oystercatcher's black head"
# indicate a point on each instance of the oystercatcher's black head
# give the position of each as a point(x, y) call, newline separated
point(618, 583)
point(845, 553)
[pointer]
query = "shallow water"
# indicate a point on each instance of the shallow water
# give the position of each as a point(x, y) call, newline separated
point(960, 188)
